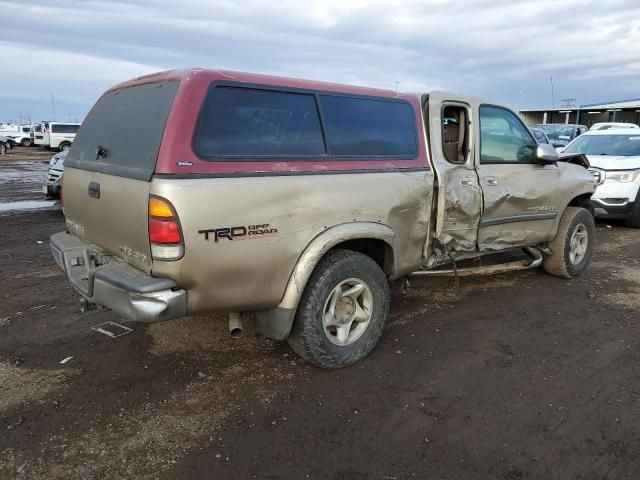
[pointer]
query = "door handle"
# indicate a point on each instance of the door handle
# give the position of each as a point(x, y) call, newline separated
point(466, 182)
point(491, 181)
point(94, 189)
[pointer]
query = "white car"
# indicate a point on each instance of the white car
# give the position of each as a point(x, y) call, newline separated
point(614, 156)
point(51, 187)
point(609, 125)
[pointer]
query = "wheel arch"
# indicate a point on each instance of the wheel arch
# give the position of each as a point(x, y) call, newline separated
point(373, 239)
point(583, 201)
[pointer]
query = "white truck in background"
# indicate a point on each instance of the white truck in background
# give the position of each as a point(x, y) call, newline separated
point(20, 134)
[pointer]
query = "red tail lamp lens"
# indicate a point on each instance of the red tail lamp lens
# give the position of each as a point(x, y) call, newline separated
point(164, 231)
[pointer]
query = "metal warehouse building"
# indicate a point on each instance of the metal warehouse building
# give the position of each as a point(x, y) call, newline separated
point(620, 111)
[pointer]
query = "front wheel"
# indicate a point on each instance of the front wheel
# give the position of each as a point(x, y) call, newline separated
point(634, 220)
point(3, 149)
point(342, 311)
point(573, 245)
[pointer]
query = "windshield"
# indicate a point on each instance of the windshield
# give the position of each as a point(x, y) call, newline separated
point(623, 145)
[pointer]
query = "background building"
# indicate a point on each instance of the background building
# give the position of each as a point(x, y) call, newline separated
point(619, 111)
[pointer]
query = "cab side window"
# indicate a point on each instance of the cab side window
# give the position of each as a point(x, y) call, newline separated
point(455, 134)
point(503, 137)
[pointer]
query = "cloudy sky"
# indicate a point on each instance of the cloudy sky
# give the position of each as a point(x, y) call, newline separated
point(502, 49)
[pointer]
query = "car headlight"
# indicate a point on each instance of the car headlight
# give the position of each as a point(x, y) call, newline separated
point(622, 176)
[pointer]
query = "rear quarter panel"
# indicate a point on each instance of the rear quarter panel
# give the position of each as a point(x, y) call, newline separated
point(252, 273)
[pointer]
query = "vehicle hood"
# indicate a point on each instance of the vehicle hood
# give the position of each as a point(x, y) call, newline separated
point(57, 161)
point(614, 162)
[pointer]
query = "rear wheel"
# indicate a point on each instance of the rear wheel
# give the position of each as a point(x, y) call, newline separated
point(573, 245)
point(26, 142)
point(3, 149)
point(342, 311)
point(64, 146)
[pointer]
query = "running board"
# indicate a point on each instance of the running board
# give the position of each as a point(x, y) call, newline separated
point(536, 261)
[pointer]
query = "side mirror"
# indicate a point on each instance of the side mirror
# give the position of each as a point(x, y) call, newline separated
point(545, 154)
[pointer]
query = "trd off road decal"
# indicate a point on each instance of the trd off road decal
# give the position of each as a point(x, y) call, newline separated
point(247, 232)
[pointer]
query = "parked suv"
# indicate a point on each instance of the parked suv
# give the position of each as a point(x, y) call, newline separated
point(614, 155)
point(198, 190)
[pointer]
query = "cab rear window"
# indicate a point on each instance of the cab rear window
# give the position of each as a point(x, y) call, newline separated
point(122, 133)
point(367, 127)
point(262, 124)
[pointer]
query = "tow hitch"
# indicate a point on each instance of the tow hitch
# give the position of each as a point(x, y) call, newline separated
point(87, 306)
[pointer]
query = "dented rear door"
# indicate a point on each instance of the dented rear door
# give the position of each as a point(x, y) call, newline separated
point(520, 198)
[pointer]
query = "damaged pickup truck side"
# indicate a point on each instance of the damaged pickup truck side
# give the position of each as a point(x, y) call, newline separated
point(210, 190)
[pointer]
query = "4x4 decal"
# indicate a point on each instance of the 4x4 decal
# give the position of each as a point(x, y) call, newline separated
point(247, 232)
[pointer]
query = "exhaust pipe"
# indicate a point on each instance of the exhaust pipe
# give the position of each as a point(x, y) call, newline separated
point(235, 325)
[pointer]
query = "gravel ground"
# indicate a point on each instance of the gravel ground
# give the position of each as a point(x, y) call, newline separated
point(514, 376)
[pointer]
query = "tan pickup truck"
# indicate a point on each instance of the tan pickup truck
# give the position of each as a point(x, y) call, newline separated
point(210, 190)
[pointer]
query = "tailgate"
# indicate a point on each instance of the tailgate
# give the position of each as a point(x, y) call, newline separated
point(109, 167)
point(115, 218)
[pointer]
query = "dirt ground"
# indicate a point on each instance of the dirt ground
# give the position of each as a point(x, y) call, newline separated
point(514, 376)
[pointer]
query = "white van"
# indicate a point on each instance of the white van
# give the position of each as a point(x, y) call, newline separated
point(58, 135)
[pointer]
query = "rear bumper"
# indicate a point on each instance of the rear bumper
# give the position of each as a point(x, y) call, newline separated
point(112, 283)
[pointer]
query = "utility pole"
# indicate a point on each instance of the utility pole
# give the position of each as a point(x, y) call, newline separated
point(53, 106)
point(553, 100)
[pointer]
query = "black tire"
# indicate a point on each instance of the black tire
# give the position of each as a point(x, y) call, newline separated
point(634, 220)
point(308, 338)
point(25, 142)
point(575, 220)
point(3, 149)
point(64, 146)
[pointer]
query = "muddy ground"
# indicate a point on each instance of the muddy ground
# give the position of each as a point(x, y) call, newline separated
point(515, 376)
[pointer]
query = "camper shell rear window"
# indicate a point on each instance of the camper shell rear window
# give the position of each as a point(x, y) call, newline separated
point(122, 133)
point(259, 123)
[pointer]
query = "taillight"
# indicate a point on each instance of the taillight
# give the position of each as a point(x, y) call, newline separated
point(164, 231)
point(165, 234)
